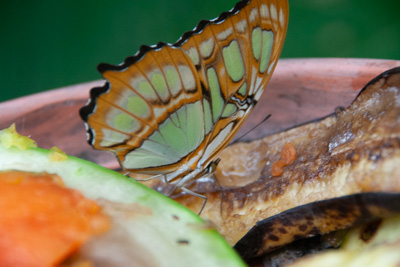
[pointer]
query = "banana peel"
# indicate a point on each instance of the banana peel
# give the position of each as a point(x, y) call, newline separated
point(363, 247)
point(356, 150)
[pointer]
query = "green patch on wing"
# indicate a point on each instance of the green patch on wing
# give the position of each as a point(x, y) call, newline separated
point(159, 84)
point(243, 89)
point(177, 136)
point(173, 80)
point(217, 102)
point(136, 105)
point(267, 42)
point(256, 42)
point(233, 61)
point(229, 110)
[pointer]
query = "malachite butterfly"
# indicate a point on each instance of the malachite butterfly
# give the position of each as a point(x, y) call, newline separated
point(171, 108)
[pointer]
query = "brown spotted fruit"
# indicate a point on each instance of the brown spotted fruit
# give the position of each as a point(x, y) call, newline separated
point(373, 244)
point(354, 151)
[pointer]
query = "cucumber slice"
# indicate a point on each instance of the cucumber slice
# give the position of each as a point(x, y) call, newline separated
point(164, 232)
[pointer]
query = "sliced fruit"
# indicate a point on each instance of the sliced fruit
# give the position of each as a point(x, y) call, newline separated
point(148, 229)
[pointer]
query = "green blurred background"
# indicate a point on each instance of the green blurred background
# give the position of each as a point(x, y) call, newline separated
point(47, 44)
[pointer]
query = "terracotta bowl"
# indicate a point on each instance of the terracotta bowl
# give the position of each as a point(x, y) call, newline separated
point(300, 90)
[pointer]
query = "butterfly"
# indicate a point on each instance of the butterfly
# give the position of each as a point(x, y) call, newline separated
point(170, 109)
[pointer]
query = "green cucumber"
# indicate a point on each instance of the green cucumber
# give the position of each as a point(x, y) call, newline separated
point(166, 232)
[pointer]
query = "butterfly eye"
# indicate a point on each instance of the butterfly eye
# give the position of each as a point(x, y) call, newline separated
point(213, 165)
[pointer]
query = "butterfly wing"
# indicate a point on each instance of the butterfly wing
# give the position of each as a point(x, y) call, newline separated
point(180, 104)
point(235, 56)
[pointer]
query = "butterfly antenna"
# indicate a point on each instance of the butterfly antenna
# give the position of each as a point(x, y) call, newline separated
point(252, 129)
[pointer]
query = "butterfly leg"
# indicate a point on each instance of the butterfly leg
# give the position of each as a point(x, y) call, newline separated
point(184, 189)
point(171, 188)
point(159, 176)
point(168, 188)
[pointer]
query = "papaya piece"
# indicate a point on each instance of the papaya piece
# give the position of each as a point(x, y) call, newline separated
point(42, 222)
